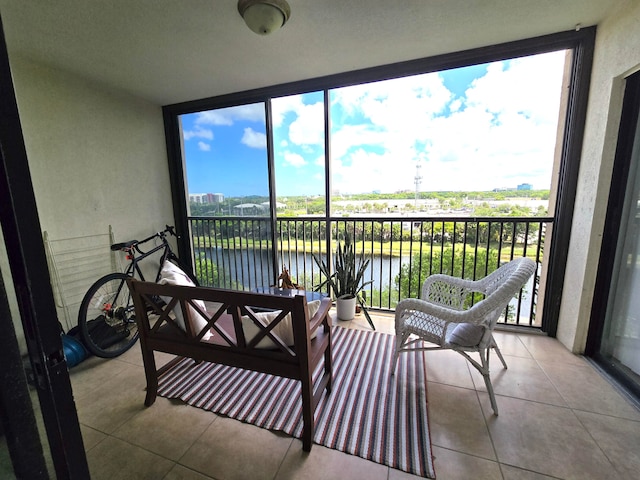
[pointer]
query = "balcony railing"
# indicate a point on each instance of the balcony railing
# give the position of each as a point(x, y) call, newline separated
point(238, 252)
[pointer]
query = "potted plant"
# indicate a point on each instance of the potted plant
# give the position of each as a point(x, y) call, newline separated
point(346, 279)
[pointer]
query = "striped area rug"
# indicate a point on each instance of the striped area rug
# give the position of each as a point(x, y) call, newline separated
point(369, 413)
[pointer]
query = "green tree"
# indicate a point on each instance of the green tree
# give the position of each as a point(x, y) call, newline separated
point(206, 271)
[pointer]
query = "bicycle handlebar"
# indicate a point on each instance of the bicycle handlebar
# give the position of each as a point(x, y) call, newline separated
point(136, 244)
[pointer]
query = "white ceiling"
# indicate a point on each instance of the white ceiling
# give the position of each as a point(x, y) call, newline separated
point(170, 51)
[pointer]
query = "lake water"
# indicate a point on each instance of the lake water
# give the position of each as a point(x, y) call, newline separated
point(253, 268)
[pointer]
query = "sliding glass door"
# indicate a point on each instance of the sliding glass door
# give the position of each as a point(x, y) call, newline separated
point(614, 338)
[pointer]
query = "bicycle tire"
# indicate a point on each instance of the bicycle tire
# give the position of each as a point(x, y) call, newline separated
point(106, 317)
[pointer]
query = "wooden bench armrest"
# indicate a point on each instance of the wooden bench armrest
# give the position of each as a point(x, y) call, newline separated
point(321, 314)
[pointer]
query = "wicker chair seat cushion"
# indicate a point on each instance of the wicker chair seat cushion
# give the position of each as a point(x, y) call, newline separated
point(465, 334)
point(435, 330)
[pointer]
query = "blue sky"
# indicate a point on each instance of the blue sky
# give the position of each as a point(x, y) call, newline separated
point(475, 128)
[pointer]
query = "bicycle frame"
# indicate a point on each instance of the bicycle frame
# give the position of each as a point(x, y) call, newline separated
point(134, 260)
point(130, 249)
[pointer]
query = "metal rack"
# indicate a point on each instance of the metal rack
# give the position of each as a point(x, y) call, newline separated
point(74, 264)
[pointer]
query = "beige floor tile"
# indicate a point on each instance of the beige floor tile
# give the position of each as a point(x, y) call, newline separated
point(618, 438)
point(510, 344)
point(546, 349)
point(335, 321)
point(91, 437)
point(384, 324)
point(522, 379)
point(93, 373)
point(178, 472)
point(534, 440)
point(584, 388)
point(116, 401)
point(544, 438)
point(448, 367)
point(400, 475)
point(514, 473)
point(114, 459)
point(134, 356)
point(452, 465)
point(327, 464)
point(232, 450)
point(167, 428)
point(456, 421)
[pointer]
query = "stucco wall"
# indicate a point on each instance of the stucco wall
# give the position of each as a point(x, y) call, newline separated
point(617, 54)
point(97, 157)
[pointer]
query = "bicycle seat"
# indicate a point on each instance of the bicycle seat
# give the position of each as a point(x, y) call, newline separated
point(123, 246)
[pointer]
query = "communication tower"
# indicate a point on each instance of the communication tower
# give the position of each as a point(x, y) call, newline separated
point(417, 180)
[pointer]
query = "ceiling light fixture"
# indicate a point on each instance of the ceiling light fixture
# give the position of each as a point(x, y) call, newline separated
point(264, 16)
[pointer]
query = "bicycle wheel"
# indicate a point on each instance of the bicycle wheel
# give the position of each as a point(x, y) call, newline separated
point(107, 318)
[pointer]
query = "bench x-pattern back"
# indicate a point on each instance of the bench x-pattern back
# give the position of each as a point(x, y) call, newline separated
point(227, 344)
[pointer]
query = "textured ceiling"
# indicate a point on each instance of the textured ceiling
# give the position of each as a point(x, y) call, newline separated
point(170, 51)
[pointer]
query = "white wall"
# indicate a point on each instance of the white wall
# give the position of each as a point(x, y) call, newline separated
point(97, 157)
point(617, 54)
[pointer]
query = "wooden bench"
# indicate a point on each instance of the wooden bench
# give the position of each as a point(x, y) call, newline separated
point(222, 336)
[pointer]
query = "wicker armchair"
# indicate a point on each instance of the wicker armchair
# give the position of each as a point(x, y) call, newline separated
point(441, 317)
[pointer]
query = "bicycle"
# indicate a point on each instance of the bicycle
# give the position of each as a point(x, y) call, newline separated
point(106, 318)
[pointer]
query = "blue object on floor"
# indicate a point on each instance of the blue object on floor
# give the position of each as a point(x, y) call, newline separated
point(74, 351)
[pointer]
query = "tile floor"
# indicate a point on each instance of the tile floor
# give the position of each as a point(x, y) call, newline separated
point(559, 418)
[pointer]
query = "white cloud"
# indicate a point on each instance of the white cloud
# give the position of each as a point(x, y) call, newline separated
point(205, 147)
point(254, 139)
point(308, 128)
point(305, 121)
point(282, 106)
point(352, 136)
point(502, 132)
point(227, 116)
point(294, 160)
point(198, 132)
point(528, 86)
point(370, 171)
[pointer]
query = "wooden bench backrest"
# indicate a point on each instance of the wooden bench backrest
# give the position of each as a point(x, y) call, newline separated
point(223, 317)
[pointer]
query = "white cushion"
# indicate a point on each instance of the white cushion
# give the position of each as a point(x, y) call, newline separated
point(283, 330)
point(465, 334)
point(171, 274)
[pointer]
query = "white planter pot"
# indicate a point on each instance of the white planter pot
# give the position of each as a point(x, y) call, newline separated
point(346, 308)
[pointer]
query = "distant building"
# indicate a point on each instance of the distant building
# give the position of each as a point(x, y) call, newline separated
point(206, 198)
point(522, 186)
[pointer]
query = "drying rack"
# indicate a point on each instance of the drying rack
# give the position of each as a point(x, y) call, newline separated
point(74, 265)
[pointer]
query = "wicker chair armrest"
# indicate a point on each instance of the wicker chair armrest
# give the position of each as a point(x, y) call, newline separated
point(449, 291)
point(449, 315)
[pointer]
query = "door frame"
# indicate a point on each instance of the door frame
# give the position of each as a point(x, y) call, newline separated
point(30, 274)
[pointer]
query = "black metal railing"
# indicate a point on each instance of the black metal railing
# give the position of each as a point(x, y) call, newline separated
point(238, 252)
